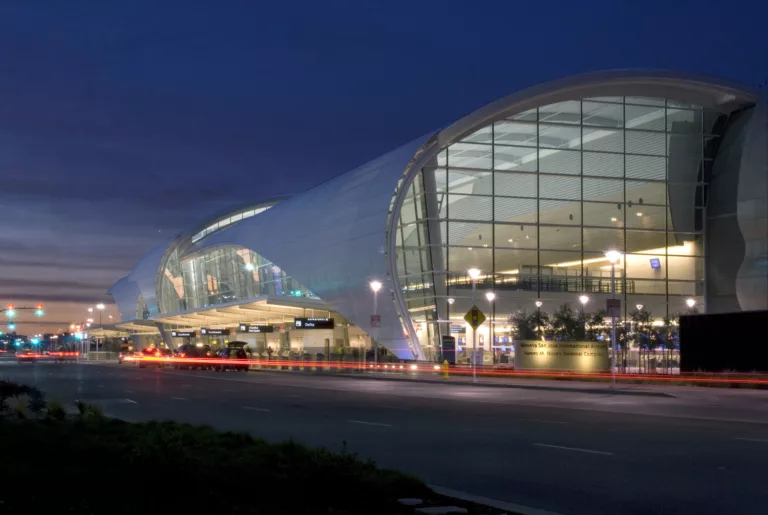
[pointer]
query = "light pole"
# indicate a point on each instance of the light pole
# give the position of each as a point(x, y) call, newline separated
point(613, 256)
point(491, 297)
point(375, 287)
point(100, 307)
point(583, 299)
point(474, 273)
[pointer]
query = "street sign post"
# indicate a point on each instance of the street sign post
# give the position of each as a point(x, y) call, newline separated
point(474, 318)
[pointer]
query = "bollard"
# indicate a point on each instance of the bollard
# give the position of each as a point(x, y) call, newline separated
point(445, 369)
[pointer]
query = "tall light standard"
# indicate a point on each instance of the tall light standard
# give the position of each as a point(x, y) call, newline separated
point(613, 256)
point(474, 274)
point(583, 299)
point(100, 307)
point(491, 297)
point(375, 287)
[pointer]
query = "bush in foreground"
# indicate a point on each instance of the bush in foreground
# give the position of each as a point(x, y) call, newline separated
point(91, 464)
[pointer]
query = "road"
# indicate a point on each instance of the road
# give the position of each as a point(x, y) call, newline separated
point(696, 451)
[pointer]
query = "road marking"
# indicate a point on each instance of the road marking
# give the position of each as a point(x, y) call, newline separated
point(129, 391)
point(100, 385)
point(255, 409)
point(761, 440)
point(179, 398)
point(589, 451)
point(128, 401)
point(369, 423)
point(229, 390)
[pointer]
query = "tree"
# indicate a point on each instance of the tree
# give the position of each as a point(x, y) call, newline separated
point(641, 322)
point(523, 328)
point(564, 323)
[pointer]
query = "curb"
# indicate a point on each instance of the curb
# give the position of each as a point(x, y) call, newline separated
point(493, 503)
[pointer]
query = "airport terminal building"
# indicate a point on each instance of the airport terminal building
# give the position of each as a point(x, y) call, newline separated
point(668, 169)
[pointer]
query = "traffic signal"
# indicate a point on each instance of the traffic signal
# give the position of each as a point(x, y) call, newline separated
point(10, 311)
point(39, 310)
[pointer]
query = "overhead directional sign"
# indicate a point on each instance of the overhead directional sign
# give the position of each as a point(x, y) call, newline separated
point(213, 332)
point(183, 334)
point(245, 328)
point(474, 317)
point(313, 323)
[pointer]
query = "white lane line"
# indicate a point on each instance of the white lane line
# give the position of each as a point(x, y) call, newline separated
point(100, 385)
point(251, 408)
point(129, 391)
point(369, 423)
point(761, 440)
point(589, 451)
point(179, 398)
point(229, 390)
point(129, 401)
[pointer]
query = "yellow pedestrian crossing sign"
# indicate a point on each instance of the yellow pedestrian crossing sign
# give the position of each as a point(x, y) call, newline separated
point(474, 317)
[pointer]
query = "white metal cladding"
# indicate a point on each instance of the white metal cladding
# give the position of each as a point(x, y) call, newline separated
point(752, 212)
point(141, 282)
point(332, 240)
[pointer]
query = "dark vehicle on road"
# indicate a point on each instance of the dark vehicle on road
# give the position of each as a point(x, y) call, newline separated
point(158, 357)
point(233, 354)
point(192, 352)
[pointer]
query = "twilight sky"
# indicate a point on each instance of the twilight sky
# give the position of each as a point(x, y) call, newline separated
point(122, 123)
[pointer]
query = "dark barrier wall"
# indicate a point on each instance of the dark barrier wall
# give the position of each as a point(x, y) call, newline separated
point(724, 342)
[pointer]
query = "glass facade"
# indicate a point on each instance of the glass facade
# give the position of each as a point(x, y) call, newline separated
point(535, 200)
point(221, 275)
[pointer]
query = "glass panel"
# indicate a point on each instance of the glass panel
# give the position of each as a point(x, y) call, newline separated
point(517, 159)
point(470, 234)
point(465, 207)
point(470, 155)
point(560, 212)
point(641, 241)
point(462, 259)
point(603, 115)
point(510, 262)
point(562, 112)
point(646, 167)
point(469, 182)
point(516, 236)
point(600, 240)
point(640, 192)
point(605, 165)
point(645, 101)
point(484, 135)
point(648, 217)
point(648, 143)
point(515, 210)
point(646, 118)
point(560, 161)
point(531, 115)
point(555, 187)
point(684, 121)
point(646, 287)
point(684, 290)
point(603, 214)
point(559, 136)
point(560, 238)
point(515, 133)
point(645, 266)
point(515, 184)
point(606, 190)
point(606, 140)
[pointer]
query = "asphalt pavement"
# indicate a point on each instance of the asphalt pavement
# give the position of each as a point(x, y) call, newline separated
point(688, 451)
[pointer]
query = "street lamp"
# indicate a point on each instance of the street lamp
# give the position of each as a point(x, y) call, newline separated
point(451, 300)
point(375, 287)
point(613, 256)
point(100, 306)
point(539, 304)
point(583, 299)
point(691, 303)
point(639, 307)
point(491, 311)
point(474, 273)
